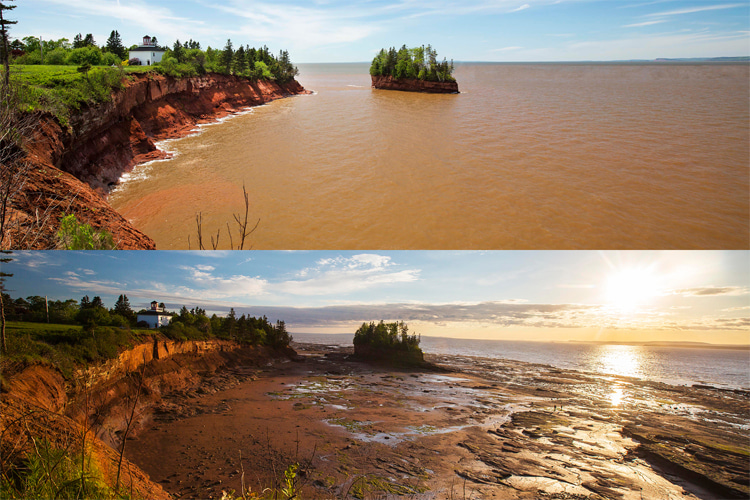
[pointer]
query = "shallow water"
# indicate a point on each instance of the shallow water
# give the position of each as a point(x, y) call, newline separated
point(672, 365)
point(527, 156)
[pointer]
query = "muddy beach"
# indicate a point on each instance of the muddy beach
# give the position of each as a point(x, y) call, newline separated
point(473, 428)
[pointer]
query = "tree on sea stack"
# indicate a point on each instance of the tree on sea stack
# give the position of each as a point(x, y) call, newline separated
point(388, 342)
point(415, 70)
point(419, 63)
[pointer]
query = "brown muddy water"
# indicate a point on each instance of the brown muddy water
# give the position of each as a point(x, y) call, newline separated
point(554, 156)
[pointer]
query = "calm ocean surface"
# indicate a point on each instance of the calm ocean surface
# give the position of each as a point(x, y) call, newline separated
point(673, 365)
point(527, 156)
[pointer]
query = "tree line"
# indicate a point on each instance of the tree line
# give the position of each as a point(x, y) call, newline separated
point(256, 64)
point(416, 63)
point(181, 59)
point(187, 324)
point(32, 50)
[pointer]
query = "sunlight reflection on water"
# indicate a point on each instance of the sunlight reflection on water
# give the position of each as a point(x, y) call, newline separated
point(623, 360)
point(616, 396)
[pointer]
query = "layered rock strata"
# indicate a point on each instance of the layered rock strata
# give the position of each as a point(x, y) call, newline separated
point(414, 85)
point(73, 166)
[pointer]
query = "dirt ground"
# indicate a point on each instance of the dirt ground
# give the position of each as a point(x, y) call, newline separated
point(478, 428)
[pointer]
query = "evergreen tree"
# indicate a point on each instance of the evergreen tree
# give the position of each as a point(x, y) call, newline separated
point(240, 61)
point(4, 23)
point(155, 42)
point(178, 51)
point(88, 40)
point(78, 41)
point(226, 56)
point(418, 62)
point(122, 307)
point(229, 325)
point(114, 44)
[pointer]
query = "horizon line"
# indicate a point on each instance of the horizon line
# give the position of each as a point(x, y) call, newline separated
point(654, 343)
point(743, 59)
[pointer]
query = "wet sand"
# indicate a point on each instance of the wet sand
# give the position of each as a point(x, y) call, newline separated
point(477, 428)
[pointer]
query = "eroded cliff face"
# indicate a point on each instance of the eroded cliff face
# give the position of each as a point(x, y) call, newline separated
point(414, 85)
point(74, 166)
point(109, 139)
point(163, 358)
point(38, 401)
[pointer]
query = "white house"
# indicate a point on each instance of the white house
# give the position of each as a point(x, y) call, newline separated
point(147, 53)
point(156, 316)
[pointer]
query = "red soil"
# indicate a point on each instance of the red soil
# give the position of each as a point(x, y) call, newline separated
point(414, 85)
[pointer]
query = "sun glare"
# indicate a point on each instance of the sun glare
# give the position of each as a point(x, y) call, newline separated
point(630, 289)
point(620, 360)
point(616, 396)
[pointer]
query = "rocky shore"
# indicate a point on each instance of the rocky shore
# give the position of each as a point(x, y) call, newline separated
point(477, 428)
point(414, 85)
point(72, 167)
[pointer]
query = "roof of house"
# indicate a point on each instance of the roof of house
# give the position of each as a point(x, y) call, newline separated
point(155, 313)
point(147, 49)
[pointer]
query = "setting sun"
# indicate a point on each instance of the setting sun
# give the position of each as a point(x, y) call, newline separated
point(630, 288)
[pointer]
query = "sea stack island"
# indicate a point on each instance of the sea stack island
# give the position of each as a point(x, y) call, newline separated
point(413, 70)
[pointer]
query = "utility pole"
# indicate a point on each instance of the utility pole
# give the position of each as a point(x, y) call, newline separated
point(46, 306)
point(41, 51)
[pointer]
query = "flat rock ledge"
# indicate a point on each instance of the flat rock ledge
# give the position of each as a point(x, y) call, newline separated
point(414, 85)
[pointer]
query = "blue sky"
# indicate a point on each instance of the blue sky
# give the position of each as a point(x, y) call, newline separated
point(581, 295)
point(464, 30)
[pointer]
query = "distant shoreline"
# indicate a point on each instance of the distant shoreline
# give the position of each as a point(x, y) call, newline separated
point(665, 343)
point(689, 345)
point(657, 61)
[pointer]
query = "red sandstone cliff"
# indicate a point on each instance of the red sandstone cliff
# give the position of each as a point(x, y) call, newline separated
point(414, 85)
point(38, 401)
point(74, 166)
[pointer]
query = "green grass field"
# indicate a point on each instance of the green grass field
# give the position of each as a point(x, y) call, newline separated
point(66, 346)
point(63, 89)
point(20, 327)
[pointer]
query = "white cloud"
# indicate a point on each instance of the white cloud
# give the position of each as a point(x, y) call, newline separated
point(522, 7)
point(148, 16)
point(710, 291)
point(646, 23)
point(498, 314)
point(95, 287)
point(301, 26)
point(693, 10)
point(343, 275)
point(505, 49)
point(33, 259)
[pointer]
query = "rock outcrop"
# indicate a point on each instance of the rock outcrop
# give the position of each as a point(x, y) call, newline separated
point(73, 167)
point(414, 85)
